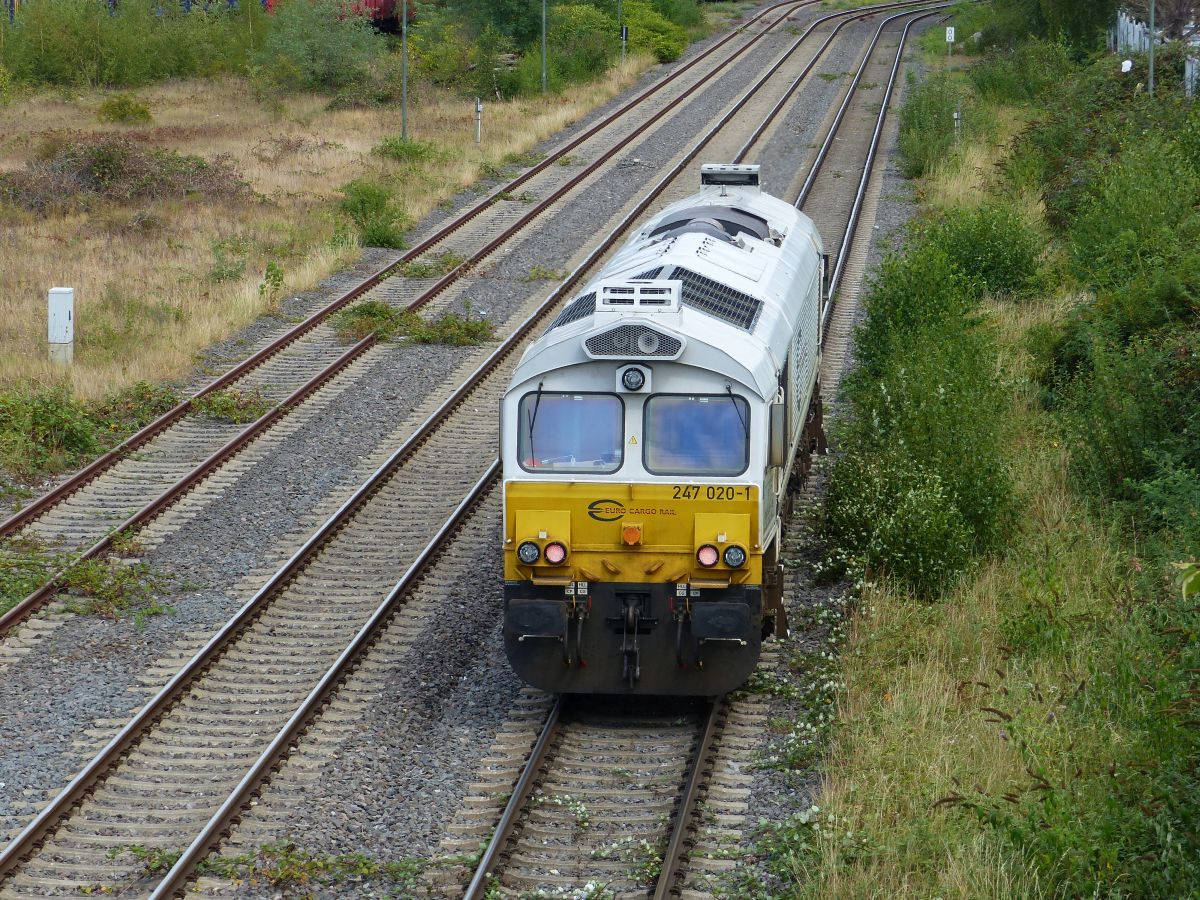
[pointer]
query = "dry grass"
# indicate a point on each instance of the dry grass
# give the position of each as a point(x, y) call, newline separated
point(157, 283)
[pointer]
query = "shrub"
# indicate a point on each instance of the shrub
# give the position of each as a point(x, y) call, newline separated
point(1022, 74)
point(371, 207)
point(1132, 223)
point(581, 38)
point(885, 513)
point(936, 399)
point(128, 44)
point(124, 109)
point(910, 291)
point(43, 431)
point(116, 169)
point(649, 30)
point(319, 45)
point(992, 244)
point(406, 151)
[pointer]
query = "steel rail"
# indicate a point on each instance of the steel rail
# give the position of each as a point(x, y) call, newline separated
point(36, 831)
point(143, 435)
point(208, 838)
point(865, 179)
point(40, 597)
point(676, 846)
point(516, 802)
point(673, 856)
point(799, 79)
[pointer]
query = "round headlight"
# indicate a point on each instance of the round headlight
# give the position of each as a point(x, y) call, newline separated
point(556, 553)
point(633, 379)
point(735, 556)
point(707, 555)
point(528, 553)
point(648, 343)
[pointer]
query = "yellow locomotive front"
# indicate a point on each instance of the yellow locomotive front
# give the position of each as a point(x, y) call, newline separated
point(654, 586)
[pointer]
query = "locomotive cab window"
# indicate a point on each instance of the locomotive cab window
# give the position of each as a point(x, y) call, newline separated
point(697, 435)
point(581, 433)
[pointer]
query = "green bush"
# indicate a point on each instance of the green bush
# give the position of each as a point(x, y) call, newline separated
point(909, 292)
point(936, 398)
point(372, 209)
point(581, 39)
point(887, 514)
point(123, 109)
point(320, 45)
point(84, 42)
point(1022, 74)
point(649, 30)
point(1136, 219)
point(992, 244)
point(43, 431)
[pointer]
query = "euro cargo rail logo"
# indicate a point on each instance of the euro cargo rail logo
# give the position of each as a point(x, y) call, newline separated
point(606, 510)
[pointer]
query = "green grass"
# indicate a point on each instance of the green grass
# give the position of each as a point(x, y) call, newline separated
point(233, 405)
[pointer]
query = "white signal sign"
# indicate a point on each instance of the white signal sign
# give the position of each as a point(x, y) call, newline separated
point(949, 34)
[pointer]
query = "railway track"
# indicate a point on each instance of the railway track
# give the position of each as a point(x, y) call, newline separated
point(195, 754)
point(132, 484)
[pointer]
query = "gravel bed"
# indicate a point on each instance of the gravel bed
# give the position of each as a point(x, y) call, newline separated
point(86, 669)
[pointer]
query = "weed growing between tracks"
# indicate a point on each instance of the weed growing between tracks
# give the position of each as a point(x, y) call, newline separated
point(1026, 725)
point(375, 316)
point(109, 587)
point(286, 866)
point(233, 405)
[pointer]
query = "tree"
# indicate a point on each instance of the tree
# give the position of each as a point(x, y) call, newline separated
point(1080, 22)
point(1175, 20)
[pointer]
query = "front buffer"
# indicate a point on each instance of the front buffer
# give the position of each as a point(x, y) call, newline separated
point(620, 638)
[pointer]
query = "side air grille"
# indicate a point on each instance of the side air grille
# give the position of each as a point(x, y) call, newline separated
point(628, 341)
point(583, 305)
point(718, 299)
point(650, 274)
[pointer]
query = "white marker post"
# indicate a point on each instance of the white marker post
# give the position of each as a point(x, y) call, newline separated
point(949, 40)
point(61, 331)
point(478, 120)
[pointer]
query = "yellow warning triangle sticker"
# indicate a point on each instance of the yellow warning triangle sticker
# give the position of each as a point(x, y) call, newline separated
point(633, 439)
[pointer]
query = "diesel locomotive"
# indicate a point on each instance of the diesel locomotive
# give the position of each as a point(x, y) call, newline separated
point(649, 441)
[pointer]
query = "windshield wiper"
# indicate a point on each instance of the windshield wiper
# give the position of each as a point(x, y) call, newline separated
point(737, 409)
point(533, 418)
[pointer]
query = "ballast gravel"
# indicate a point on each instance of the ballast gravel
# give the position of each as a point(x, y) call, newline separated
point(88, 669)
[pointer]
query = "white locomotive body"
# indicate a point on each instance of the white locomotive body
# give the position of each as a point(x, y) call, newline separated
point(648, 440)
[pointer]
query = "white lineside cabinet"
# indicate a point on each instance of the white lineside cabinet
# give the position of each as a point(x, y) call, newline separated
point(61, 325)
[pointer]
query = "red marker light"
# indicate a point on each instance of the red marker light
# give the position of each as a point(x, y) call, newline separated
point(707, 555)
point(555, 553)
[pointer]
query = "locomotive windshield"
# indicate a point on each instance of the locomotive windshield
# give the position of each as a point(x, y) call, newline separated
point(702, 435)
point(570, 432)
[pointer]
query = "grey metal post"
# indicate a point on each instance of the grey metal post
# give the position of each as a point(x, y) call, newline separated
point(404, 73)
point(621, 31)
point(478, 120)
point(544, 88)
point(1151, 86)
